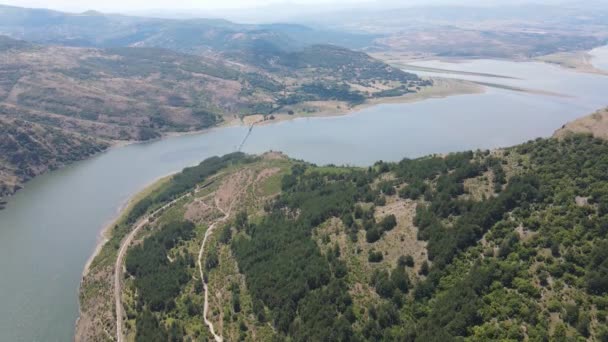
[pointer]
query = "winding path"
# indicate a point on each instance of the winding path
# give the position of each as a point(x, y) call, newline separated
point(119, 266)
point(218, 338)
point(119, 269)
point(208, 233)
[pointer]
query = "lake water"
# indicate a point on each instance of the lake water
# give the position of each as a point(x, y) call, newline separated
point(50, 228)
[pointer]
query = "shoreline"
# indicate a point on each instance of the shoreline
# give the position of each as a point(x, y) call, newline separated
point(453, 88)
point(443, 88)
point(447, 87)
point(121, 210)
point(468, 88)
point(103, 234)
point(577, 60)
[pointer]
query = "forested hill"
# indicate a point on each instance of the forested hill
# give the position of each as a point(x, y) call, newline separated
point(481, 245)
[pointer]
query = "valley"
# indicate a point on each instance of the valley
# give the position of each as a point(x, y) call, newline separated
point(363, 173)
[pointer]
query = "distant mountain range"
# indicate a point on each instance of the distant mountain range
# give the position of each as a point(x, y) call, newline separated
point(94, 29)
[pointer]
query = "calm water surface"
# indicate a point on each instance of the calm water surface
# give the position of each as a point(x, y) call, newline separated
point(49, 229)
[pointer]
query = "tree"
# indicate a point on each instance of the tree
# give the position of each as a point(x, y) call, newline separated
point(571, 313)
point(400, 279)
point(383, 284)
point(555, 249)
point(225, 235)
point(424, 268)
point(212, 260)
point(372, 235)
point(148, 328)
point(241, 221)
point(406, 260)
point(560, 333)
point(374, 256)
point(389, 222)
point(583, 324)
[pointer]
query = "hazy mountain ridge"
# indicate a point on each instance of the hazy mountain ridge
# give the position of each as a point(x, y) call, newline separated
point(192, 35)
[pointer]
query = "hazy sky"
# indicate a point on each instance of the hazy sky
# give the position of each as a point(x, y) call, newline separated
point(132, 5)
point(214, 5)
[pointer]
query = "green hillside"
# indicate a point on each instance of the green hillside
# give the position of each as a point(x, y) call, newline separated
point(477, 246)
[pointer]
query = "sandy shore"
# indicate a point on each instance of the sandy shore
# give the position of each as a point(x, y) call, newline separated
point(442, 87)
point(579, 61)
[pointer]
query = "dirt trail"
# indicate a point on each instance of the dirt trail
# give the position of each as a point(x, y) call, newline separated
point(208, 233)
point(220, 195)
point(119, 266)
point(119, 269)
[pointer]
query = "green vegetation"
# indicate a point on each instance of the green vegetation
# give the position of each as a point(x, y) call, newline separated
point(527, 260)
point(185, 181)
point(157, 280)
point(456, 294)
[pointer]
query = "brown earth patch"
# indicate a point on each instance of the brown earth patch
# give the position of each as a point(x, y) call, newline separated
point(479, 187)
point(402, 240)
point(273, 155)
point(96, 321)
point(201, 210)
point(232, 187)
point(595, 124)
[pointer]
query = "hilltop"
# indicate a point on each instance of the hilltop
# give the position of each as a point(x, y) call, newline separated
point(595, 124)
point(478, 245)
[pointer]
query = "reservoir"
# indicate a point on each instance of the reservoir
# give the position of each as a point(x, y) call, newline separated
point(50, 228)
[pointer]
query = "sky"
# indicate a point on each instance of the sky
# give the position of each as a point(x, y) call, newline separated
point(135, 5)
point(215, 5)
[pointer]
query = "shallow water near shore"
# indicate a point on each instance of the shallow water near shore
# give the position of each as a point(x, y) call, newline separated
point(49, 229)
